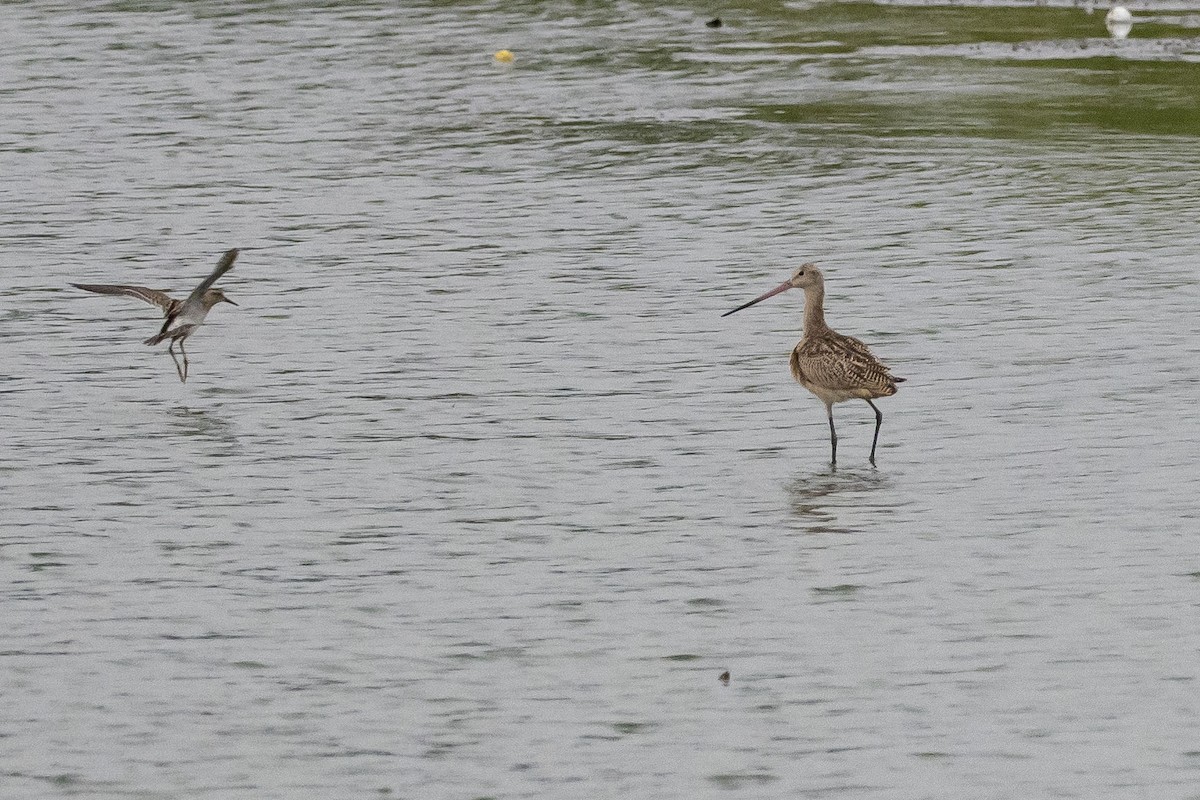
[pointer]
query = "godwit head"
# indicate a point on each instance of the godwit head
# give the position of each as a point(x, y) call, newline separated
point(805, 276)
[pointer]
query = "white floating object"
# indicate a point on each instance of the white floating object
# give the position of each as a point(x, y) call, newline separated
point(1119, 22)
point(1118, 14)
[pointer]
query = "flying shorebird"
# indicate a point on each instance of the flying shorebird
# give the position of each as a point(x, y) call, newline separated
point(831, 366)
point(183, 317)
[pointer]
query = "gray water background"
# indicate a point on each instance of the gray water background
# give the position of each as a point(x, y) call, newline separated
point(475, 495)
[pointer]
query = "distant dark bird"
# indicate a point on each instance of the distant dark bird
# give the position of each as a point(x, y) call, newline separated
point(724, 677)
point(183, 317)
point(713, 23)
point(831, 366)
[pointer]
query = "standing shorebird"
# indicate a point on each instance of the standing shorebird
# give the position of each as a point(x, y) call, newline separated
point(831, 366)
point(183, 317)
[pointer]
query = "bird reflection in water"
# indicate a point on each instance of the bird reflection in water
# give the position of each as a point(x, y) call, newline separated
point(204, 424)
point(816, 496)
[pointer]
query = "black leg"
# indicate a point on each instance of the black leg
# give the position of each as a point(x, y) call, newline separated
point(878, 422)
point(178, 369)
point(184, 376)
point(832, 437)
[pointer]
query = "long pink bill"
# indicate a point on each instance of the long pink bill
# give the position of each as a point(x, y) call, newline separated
point(783, 287)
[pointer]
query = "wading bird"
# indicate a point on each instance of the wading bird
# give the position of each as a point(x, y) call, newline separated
point(831, 366)
point(183, 317)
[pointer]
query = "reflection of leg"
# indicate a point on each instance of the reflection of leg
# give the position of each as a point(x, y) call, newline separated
point(179, 369)
point(832, 436)
point(878, 422)
point(185, 359)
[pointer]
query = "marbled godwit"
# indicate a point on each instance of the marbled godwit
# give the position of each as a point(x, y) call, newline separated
point(831, 366)
point(183, 317)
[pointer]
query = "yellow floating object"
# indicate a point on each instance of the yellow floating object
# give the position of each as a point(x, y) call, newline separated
point(504, 56)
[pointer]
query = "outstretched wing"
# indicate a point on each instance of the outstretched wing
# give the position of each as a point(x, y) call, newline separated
point(223, 266)
point(152, 296)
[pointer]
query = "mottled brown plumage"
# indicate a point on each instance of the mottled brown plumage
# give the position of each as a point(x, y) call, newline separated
point(833, 367)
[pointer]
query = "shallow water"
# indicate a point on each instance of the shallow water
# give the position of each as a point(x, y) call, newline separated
point(476, 495)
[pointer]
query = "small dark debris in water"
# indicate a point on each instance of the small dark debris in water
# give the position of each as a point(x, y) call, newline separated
point(724, 677)
point(840, 589)
point(715, 22)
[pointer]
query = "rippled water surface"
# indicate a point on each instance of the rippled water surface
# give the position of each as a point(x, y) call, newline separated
point(476, 495)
